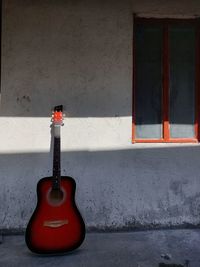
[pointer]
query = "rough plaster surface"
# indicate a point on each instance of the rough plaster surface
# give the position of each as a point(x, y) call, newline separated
point(162, 8)
point(80, 54)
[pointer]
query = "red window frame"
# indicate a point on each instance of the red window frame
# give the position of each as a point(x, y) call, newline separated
point(165, 84)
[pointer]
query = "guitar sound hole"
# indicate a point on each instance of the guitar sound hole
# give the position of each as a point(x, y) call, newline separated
point(56, 196)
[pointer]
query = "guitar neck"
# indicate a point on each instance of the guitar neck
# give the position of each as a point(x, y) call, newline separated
point(56, 158)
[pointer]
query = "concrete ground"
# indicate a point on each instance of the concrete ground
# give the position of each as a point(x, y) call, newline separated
point(127, 249)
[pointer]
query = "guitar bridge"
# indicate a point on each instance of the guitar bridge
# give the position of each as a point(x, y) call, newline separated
point(55, 224)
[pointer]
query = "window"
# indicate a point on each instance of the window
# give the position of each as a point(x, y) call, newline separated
point(166, 80)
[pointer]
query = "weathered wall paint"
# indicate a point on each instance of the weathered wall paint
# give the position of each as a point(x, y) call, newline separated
point(79, 53)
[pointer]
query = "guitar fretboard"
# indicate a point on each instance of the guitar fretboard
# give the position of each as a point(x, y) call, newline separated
point(56, 163)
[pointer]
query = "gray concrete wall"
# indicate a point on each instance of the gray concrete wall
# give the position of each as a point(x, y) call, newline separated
point(79, 54)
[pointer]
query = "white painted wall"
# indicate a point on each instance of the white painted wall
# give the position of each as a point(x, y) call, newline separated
point(79, 54)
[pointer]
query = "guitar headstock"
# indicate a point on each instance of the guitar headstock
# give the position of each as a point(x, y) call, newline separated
point(57, 116)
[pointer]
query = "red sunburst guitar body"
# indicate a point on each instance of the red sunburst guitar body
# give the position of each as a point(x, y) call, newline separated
point(56, 225)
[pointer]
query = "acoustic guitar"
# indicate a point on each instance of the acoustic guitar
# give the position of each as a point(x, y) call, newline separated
point(56, 225)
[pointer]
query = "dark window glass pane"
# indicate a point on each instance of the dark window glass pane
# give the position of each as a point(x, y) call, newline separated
point(182, 81)
point(148, 81)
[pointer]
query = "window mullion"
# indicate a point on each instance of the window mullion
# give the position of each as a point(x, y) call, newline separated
point(197, 84)
point(166, 135)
